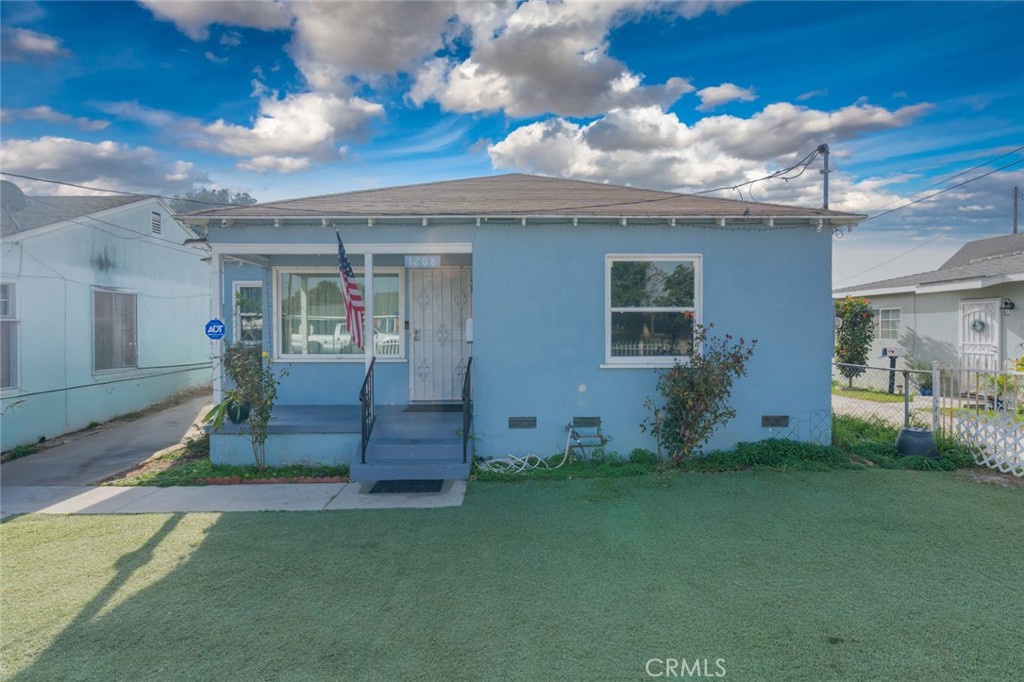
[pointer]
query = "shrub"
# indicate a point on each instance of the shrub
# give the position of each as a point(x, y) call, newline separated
point(255, 386)
point(696, 395)
point(854, 337)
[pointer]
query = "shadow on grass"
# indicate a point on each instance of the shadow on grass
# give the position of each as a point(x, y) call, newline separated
point(868, 575)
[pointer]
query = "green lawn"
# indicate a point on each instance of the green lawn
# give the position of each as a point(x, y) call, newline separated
point(868, 394)
point(843, 575)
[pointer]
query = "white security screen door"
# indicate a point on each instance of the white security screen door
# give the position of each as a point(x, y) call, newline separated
point(979, 334)
point(441, 302)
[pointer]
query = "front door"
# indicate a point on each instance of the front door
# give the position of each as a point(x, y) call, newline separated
point(979, 334)
point(442, 301)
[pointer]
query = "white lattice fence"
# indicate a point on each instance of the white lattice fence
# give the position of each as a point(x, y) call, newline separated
point(997, 440)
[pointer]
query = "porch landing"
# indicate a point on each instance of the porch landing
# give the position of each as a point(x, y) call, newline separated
point(404, 445)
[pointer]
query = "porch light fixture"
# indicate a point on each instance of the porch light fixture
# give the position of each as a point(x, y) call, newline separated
point(1006, 305)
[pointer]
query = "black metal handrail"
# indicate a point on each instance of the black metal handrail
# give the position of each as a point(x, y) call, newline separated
point(467, 407)
point(369, 413)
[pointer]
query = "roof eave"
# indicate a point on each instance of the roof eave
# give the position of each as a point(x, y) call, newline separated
point(833, 219)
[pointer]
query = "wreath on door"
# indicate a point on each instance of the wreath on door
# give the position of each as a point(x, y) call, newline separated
point(978, 326)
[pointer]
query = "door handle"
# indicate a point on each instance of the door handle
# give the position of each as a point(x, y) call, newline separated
point(415, 334)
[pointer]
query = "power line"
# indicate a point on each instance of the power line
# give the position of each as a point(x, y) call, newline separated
point(802, 164)
point(963, 172)
point(943, 191)
point(905, 253)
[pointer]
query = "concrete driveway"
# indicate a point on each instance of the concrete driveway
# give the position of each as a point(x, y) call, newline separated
point(88, 456)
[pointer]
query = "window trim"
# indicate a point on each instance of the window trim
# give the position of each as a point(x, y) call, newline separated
point(619, 362)
point(877, 314)
point(334, 357)
point(236, 314)
point(114, 290)
point(12, 319)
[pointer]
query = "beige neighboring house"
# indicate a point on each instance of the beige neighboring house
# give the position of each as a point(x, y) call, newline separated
point(970, 310)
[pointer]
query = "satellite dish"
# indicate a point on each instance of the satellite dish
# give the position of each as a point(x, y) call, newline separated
point(11, 197)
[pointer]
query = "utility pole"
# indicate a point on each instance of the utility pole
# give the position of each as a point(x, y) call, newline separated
point(824, 151)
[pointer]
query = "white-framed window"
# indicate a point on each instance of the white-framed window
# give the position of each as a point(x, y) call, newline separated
point(8, 336)
point(652, 301)
point(114, 329)
point(887, 324)
point(248, 308)
point(310, 314)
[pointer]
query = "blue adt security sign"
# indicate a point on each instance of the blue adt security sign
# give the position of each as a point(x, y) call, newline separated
point(215, 329)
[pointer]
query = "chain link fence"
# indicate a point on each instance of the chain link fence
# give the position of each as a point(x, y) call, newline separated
point(898, 397)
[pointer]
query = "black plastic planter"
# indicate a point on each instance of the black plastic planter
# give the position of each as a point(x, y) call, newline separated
point(916, 442)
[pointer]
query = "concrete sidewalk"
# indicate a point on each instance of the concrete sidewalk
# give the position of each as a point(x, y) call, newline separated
point(218, 498)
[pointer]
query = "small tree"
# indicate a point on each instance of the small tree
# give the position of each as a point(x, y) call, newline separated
point(206, 198)
point(254, 388)
point(697, 395)
point(854, 337)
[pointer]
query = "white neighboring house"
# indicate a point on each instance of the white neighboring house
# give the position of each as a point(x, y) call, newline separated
point(970, 310)
point(103, 307)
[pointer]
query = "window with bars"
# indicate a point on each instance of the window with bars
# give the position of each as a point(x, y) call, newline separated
point(249, 312)
point(115, 333)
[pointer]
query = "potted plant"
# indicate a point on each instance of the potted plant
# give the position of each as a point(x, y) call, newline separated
point(922, 376)
point(250, 400)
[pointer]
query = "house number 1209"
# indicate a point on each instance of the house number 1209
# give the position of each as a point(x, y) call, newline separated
point(422, 261)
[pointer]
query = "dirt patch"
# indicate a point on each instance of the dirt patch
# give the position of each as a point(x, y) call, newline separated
point(238, 480)
point(990, 477)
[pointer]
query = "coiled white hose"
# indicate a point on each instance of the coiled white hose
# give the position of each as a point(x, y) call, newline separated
point(511, 464)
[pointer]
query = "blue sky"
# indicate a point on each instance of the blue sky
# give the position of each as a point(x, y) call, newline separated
point(284, 99)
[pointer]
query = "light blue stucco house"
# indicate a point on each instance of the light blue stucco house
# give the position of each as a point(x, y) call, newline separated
point(102, 306)
point(557, 298)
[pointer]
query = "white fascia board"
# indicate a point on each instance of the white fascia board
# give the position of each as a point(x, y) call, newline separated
point(329, 248)
point(967, 284)
point(747, 220)
point(882, 291)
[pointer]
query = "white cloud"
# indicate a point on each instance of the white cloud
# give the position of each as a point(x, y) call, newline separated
point(45, 113)
point(649, 147)
point(543, 58)
point(105, 164)
point(286, 134)
point(334, 41)
point(279, 164)
point(21, 44)
point(307, 124)
point(211, 57)
point(230, 39)
point(722, 94)
point(194, 17)
point(802, 97)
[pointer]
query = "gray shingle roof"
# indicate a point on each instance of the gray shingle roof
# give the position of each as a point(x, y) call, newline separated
point(976, 259)
point(515, 195)
point(43, 211)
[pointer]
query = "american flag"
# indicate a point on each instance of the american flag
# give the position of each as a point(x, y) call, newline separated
point(354, 308)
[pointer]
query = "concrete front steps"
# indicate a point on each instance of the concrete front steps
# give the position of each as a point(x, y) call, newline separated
point(414, 446)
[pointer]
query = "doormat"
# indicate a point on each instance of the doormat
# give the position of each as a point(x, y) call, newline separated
point(407, 486)
point(440, 407)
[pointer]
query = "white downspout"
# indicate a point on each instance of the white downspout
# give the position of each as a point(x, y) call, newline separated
point(216, 304)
